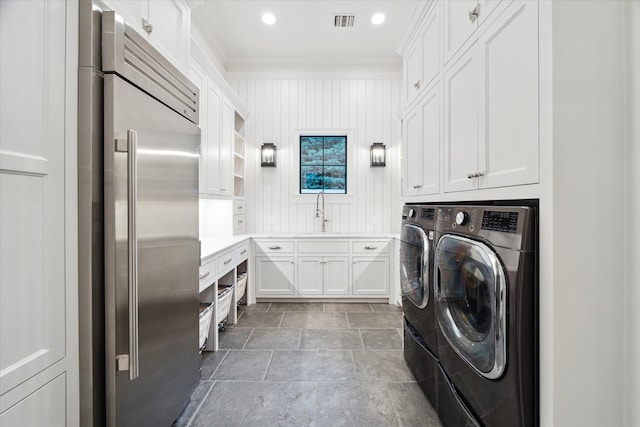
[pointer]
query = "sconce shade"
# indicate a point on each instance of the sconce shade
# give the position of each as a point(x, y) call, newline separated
point(378, 154)
point(268, 155)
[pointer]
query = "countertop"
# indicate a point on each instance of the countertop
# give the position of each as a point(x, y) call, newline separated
point(213, 246)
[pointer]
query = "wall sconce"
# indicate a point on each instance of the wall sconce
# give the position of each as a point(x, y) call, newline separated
point(268, 155)
point(378, 154)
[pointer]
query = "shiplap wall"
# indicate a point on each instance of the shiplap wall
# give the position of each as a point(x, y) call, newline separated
point(278, 109)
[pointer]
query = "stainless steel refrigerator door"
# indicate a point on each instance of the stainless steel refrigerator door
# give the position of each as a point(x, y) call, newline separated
point(151, 240)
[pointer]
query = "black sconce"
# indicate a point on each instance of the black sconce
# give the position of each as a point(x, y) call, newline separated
point(378, 154)
point(268, 155)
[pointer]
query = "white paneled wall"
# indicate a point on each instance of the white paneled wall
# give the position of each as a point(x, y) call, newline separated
point(279, 109)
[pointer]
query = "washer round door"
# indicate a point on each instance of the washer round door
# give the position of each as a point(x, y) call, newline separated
point(414, 264)
point(470, 294)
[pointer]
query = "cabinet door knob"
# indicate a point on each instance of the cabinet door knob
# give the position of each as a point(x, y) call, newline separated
point(417, 84)
point(473, 14)
point(147, 26)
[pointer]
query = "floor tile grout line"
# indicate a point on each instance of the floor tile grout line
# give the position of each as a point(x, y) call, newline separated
point(204, 398)
point(219, 364)
point(393, 406)
point(266, 371)
point(248, 338)
point(315, 408)
point(361, 338)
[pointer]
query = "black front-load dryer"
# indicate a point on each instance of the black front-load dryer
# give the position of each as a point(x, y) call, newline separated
point(416, 275)
point(485, 278)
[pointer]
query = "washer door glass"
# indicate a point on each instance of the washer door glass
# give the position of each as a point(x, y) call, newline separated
point(414, 264)
point(470, 293)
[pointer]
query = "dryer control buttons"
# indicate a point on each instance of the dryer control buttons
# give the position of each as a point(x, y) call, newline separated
point(412, 213)
point(461, 218)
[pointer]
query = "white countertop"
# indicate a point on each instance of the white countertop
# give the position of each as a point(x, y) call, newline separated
point(213, 246)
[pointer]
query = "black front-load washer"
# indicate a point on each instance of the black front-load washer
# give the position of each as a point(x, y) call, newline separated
point(485, 278)
point(416, 274)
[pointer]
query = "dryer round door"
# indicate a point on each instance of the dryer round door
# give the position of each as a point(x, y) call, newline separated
point(414, 264)
point(470, 294)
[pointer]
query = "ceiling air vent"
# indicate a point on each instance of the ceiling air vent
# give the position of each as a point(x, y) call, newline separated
point(343, 21)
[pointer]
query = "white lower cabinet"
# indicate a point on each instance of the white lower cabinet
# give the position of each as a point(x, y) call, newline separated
point(370, 276)
point(323, 275)
point(274, 276)
point(322, 268)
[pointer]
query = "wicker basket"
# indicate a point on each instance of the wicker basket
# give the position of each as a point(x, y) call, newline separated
point(206, 313)
point(224, 303)
point(241, 284)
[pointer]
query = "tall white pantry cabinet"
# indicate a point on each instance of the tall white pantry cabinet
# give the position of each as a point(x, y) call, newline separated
point(38, 213)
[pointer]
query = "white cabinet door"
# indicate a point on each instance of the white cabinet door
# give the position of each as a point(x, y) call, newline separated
point(431, 139)
point(165, 23)
point(423, 133)
point(370, 276)
point(171, 33)
point(274, 276)
point(413, 155)
point(431, 50)
point(509, 153)
point(413, 71)
point(462, 131)
point(214, 138)
point(199, 78)
point(226, 147)
point(38, 213)
point(336, 275)
point(310, 275)
point(459, 24)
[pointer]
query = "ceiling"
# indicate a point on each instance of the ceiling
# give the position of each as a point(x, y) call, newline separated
point(304, 36)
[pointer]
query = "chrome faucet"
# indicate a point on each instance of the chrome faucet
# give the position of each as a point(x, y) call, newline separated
point(321, 211)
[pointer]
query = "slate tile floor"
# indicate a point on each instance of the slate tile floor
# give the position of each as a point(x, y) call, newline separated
point(310, 364)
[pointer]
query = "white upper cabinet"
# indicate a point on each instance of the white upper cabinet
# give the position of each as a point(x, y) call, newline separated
point(423, 139)
point(462, 86)
point(508, 154)
point(165, 23)
point(422, 61)
point(199, 78)
point(491, 106)
point(462, 19)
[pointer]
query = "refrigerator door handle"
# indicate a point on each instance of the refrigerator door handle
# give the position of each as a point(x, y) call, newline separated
point(132, 196)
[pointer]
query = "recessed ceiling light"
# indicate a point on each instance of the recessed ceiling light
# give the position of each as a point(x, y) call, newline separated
point(268, 19)
point(377, 19)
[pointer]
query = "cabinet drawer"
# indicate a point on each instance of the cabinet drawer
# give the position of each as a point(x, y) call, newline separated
point(330, 246)
point(242, 252)
point(371, 247)
point(226, 261)
point(239, 207)
point(207, 274)
point(239, 224)
point(274, 246)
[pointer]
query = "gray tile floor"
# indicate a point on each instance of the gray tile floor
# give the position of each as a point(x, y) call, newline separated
point(310, 364)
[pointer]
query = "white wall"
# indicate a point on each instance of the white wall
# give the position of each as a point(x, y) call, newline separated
point(278, 108)
point(632, 228)
point(588, 200)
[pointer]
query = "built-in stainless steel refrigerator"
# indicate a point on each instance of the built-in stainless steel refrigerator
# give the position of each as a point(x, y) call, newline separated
point(138, 238)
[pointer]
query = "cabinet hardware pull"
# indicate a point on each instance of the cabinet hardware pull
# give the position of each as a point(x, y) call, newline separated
point(471, 175)
point(479, 174)
point(473, 14)
point(417, 84)
point(147, 26)
point(275, 247)
point(371, 248)
point(202, 276)
point(240, 221)
point(228, 261)
point(244, 251)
